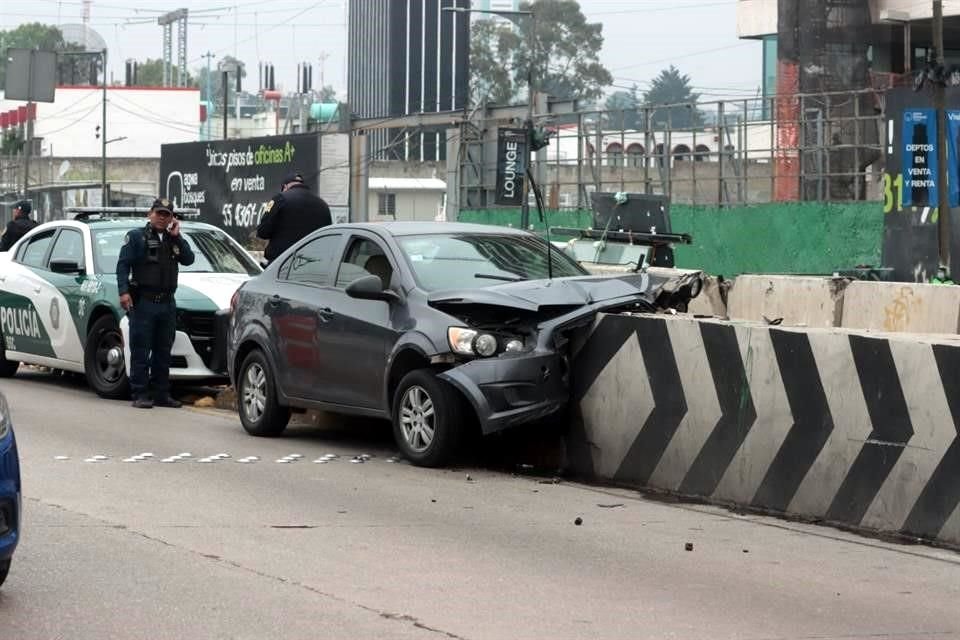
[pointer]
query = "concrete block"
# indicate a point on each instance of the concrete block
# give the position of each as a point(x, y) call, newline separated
point(798, 300)
point(901, 307)
point(850, 427)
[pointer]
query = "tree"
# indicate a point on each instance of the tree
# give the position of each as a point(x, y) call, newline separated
point(565, 56)
point(33, 35)
point(150, 74)
point(623, 110)
point(327, 94)
point(672, 88)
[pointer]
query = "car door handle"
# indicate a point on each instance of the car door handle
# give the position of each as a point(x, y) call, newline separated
point(325, 313)
point(36, 289)
point(274, 300)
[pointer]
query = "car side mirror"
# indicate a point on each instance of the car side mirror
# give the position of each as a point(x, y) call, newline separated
point(66, 266)
point(370, 288)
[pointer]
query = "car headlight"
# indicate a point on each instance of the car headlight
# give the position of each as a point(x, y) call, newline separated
point(4, 417)
point(469, 342)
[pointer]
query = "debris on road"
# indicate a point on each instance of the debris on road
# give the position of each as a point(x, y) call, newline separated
point(206, 402)
point(688, 546)
point(578, 521)
point(610, 506)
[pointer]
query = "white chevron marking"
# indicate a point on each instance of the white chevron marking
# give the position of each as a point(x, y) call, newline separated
point(616, 406)
point(774, 420)
point(703, 408)
point(851, 422)
point(933, 433)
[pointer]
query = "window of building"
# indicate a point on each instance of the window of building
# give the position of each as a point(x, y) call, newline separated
point(387, 204)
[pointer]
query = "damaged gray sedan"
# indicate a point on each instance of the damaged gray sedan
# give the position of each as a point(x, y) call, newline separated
point(441, 328)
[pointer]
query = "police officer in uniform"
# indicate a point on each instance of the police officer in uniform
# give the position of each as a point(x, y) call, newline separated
point(19, 226)
point(147, 273)
point(292, 214)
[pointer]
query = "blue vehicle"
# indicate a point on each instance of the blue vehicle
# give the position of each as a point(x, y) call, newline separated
point(9, 490)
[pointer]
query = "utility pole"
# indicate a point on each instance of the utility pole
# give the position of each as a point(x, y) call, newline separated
point(226, 89)
point(206, 94)
point(940, 104)
point(103, 143)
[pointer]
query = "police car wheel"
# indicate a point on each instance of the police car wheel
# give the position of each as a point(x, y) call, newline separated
point(260, 413)
point(103, 360)
point(7, 367)
point(4, 569)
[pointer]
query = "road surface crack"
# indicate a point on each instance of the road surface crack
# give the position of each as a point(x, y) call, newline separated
point(401, 617)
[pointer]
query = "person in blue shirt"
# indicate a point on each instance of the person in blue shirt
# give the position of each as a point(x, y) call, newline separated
point(147, 272)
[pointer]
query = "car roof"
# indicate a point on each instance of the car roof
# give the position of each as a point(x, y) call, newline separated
point(425, 228)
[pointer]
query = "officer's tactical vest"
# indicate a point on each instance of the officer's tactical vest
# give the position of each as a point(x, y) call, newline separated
point(157, 272)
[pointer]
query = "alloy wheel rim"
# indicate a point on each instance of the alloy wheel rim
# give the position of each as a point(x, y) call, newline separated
point(255, 392)
point(110, 363)
point(417, 418)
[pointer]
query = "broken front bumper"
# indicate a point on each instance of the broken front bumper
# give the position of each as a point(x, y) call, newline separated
point(508, 391)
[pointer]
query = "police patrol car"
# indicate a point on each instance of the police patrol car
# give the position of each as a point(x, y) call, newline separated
point(59, 305)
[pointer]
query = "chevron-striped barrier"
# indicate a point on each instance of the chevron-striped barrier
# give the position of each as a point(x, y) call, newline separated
point(849, 428)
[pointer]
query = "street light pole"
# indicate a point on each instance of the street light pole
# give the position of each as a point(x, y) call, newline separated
point(515, 17)
point(939, 103)
point(103, 131)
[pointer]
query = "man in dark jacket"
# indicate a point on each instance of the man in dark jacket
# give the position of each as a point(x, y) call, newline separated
point(292, 214)
point(19, 226)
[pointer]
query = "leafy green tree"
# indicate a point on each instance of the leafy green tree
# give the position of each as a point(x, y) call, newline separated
point(33, 35)
point(150, 74)
point(673, 88)
point(327, 94)
point(623, 110)
point(564, 56)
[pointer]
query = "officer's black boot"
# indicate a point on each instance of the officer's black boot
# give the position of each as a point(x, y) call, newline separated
point(167, 401)
point(143, 403)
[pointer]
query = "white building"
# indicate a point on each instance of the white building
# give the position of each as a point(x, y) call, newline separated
point(420, 199)
point(139, 120)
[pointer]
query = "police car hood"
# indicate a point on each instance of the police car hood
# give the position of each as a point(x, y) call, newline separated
point(218, 288)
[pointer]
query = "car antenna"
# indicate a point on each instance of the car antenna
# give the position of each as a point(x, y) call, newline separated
point(546, 225)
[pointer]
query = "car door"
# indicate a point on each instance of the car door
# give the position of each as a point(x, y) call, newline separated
point(300, 319)
point(366, 327)
point(62, 296)
point(22, 308)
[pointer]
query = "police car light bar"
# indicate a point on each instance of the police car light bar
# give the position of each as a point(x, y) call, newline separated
point(101, 213)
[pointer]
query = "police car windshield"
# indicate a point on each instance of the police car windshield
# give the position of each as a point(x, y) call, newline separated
point(214, 252)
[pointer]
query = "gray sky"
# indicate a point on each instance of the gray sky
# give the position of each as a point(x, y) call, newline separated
point(641, 37)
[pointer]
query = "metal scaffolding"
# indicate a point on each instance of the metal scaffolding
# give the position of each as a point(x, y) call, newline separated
point(166, 21)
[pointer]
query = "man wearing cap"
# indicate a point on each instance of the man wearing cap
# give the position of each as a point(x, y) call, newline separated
point(292, 214)
point(147, 271)
point(19, 226)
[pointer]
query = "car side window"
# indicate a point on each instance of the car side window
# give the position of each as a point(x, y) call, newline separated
point(313, 262)
point(34, 253)
point(69, 246)
point(364, 257)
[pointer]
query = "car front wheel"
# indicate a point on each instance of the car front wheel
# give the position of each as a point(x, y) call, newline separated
point(260, 413)
point(429, 419)
point(103, 360)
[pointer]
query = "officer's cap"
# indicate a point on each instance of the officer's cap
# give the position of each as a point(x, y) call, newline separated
point(24, 206)
point(293, 177)
point(162, 204)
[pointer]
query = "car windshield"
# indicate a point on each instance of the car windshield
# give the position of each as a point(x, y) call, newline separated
point(213, 250)
point(471, 261)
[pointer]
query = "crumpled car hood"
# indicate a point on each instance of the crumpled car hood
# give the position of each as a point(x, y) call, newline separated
point(534, 295)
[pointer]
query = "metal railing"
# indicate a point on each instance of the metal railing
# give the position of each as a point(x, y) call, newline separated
point(820, 147)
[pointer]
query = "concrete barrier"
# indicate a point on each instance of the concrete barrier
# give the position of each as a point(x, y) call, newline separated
point(901, 307)
point(853, 429)
point(796, 300)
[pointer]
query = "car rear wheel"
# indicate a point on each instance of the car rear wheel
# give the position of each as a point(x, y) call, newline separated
point(4, 570)
point(7, 367)
point(260, 413)
point(103, 360)
point(429, 419)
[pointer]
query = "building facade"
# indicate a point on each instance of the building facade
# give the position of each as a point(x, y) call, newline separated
point(407, 57)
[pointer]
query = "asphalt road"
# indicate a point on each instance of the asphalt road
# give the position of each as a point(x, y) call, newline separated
point(382, 549)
